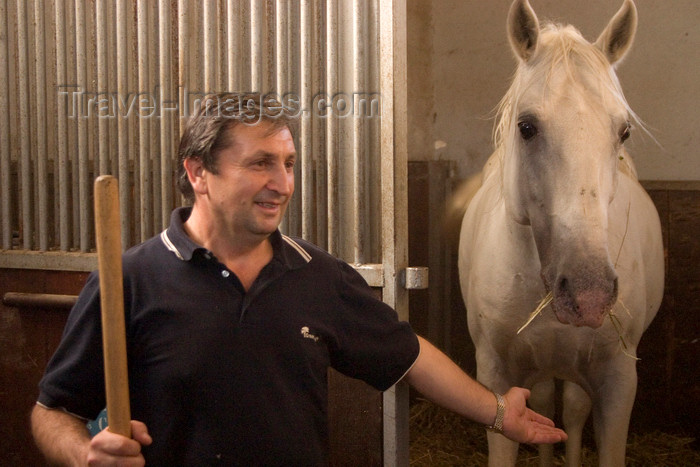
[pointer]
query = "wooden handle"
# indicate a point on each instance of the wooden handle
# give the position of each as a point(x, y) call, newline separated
point(109, 261)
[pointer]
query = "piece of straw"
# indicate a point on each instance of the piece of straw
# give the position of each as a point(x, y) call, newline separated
point(618, 328)
point(543, 303)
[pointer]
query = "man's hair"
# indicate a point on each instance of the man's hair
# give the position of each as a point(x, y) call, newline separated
point(207, 132)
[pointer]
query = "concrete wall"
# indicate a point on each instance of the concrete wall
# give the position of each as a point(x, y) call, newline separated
point(460, 64)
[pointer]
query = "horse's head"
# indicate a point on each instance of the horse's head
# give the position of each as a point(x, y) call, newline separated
point(562, 128)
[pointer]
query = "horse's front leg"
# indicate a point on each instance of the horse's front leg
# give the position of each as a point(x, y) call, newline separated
point(542, 401)
point(576, 408)
point(502, 451)
point(612, 406)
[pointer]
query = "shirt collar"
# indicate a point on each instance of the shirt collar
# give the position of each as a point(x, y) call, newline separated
point(285, 249)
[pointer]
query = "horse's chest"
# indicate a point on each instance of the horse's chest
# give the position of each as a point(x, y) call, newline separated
point(574, 354)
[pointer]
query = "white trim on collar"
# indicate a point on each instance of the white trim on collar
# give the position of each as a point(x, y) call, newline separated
point(169, 245)
point(302, 252)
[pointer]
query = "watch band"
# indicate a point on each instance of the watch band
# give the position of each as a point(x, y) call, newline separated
point(500, 413)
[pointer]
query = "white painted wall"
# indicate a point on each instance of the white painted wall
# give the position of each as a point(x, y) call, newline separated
point(460, 65)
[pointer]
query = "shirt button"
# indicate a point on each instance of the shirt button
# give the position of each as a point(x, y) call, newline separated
point(225, 273)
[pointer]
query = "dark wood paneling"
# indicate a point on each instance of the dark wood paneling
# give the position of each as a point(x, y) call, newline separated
point(669, 383)
point(355, 422)
point(28, 337)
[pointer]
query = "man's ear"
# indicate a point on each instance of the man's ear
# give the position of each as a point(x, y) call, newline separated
point(196, 174)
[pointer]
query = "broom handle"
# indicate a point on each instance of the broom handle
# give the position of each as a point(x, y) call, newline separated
point(109, 257)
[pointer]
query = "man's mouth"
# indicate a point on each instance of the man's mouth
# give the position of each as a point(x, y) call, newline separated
point(268, 205)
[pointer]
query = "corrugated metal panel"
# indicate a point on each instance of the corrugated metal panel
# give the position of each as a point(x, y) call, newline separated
point(104, 88)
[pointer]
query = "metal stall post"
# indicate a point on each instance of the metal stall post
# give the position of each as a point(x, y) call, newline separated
point(393, 151)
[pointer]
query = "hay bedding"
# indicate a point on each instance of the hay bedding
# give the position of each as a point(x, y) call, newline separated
point(441, 438)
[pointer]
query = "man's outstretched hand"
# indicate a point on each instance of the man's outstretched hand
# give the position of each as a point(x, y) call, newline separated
point(525, 425)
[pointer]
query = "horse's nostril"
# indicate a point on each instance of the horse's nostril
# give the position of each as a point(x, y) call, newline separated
point(563, 285)
point(564, 295)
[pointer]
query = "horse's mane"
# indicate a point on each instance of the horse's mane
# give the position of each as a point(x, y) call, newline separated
point(559, 47)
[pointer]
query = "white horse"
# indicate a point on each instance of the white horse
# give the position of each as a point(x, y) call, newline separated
point(560, 215)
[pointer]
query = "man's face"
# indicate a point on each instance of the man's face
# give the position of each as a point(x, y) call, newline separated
point(255, 180)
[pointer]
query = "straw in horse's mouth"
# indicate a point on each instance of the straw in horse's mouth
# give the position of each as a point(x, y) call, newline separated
point(613, 319)
point(618, 328)
point(543, 303)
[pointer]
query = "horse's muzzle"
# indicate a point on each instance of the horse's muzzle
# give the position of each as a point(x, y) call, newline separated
point(585, 299)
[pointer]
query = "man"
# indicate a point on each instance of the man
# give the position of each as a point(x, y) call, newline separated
point(231, 325)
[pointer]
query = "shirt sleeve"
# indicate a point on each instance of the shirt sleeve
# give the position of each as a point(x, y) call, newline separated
point(74, 377)
point(373, 345)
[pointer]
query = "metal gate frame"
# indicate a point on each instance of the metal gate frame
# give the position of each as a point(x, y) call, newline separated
point(394, 275)
point(394, 194)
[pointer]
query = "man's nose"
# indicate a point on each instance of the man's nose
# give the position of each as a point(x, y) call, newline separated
point(281, 180)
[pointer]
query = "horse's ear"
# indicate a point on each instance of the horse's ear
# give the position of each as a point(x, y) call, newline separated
point(523, 29)
point(618, 35)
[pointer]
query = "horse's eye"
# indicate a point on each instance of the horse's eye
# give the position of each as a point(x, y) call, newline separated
point(625, 133)
point(527, 130)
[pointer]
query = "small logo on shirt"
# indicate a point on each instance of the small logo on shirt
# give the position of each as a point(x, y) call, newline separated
point(307, 335)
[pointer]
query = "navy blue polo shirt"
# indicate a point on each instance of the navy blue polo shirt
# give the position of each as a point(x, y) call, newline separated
point(221, 375)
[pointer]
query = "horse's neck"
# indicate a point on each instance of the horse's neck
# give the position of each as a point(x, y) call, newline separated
point(493, 166)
